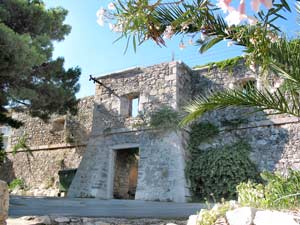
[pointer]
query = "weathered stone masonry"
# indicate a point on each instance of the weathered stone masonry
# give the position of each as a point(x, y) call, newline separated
point(51, 149)
point(162, 154)
point(104, 127)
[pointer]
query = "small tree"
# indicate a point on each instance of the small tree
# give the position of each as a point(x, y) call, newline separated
point(30, 79)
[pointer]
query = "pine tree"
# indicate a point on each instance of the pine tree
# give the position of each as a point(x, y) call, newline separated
point(30, 79)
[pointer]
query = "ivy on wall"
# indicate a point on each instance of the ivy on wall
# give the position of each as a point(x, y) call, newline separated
point(227, 64)
point(215, 173)
point(165, 117)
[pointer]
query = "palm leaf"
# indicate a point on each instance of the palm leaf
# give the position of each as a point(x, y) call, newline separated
point(285, 61)
point(298, 10)
point(261, 99)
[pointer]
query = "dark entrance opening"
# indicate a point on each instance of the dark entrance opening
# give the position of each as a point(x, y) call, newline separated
point(126, 173)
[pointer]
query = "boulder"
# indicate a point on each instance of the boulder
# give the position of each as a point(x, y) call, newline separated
point(241, 216)
point(192, 220)
point(62, 219)
point(273, 218)
point(30, 220)
point(4, 202)
point(46, 220)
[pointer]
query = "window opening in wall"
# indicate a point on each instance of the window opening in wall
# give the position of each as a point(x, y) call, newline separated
point(126, 173)
point(134, 109)
point(129, 106)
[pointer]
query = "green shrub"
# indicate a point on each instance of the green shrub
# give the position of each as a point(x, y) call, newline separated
point(21, 144)
point(16, 183)
point(215, 173)
point(164, 117)
point(228, 64)
point(199, 133)
point(209, 216)
point(278, 192)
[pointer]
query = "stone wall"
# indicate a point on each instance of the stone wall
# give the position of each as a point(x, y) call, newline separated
point(58, 130)
point(49, 151)
point(4, 202)
point(160, 170)
point(274, 139)
point(155, 86)
point(39, 169)
point(104, 125)
point(162, 156)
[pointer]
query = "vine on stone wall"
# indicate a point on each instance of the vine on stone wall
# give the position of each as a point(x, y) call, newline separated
point(21, 145)
point(227, 64)
point(215, 173)
point(164, 117)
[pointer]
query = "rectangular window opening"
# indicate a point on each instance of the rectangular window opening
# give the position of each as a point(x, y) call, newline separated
point(134, 107)
point(129, 105)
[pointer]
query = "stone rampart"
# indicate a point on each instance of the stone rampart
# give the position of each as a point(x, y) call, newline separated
point(52, 146)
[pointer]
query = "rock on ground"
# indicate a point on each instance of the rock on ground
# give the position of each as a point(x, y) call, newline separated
point(241, 216)
point(273, 218)
point(192, 220)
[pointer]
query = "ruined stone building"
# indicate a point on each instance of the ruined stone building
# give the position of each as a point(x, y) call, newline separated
point(117, 159)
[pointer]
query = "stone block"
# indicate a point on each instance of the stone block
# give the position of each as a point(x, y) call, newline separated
point(4, 202)
point(192, 220)
point(273, 218)
point(241, 216)
point(62, 220)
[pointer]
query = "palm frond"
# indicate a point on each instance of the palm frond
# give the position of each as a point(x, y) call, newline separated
point(285, 61)
point(261, 99)
point(208, 43)
point(298, 10)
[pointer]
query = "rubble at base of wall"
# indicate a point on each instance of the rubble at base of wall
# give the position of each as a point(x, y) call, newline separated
point(4, 202)
point(37, 192)
point(252, 216)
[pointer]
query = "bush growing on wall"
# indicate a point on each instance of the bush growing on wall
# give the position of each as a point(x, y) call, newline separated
point(199, 133)
point(164, 117)
point(215, 173)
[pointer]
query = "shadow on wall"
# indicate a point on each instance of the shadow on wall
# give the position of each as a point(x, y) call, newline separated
point(7, 171)
point(76, 134)
point(268, 136)
point(105, 120)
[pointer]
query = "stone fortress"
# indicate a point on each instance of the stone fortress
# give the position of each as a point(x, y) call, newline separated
point(116, 159)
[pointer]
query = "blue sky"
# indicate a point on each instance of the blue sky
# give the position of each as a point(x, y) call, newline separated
point(91, 47)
